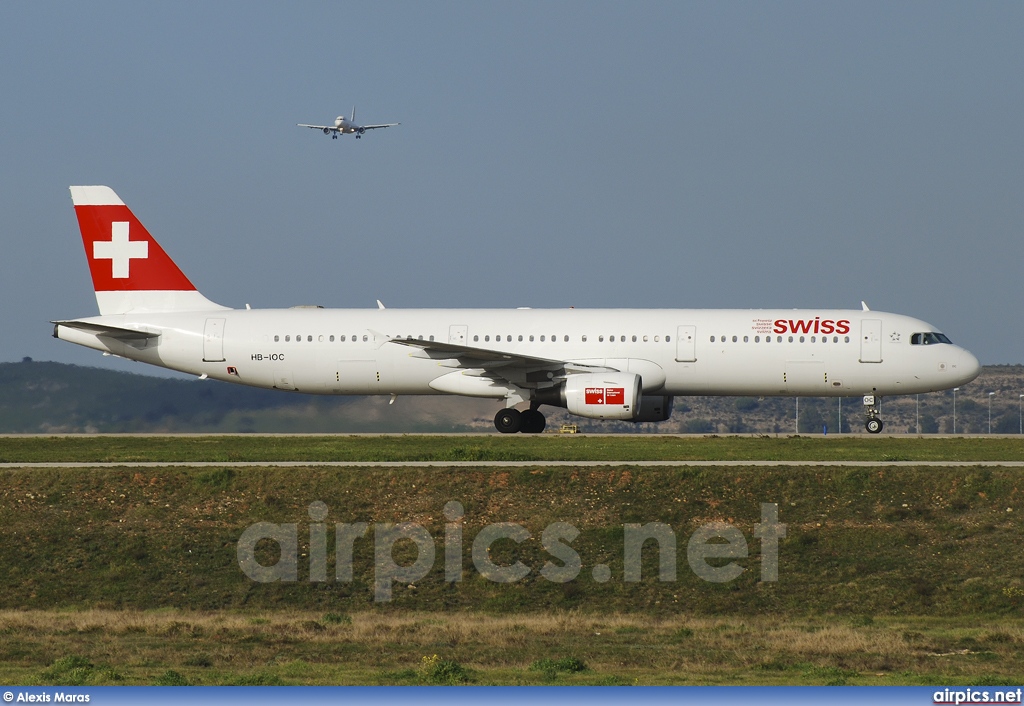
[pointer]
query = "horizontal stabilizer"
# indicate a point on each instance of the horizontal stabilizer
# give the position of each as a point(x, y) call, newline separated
point(116, 332)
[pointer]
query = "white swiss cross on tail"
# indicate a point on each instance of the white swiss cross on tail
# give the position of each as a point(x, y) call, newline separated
point(130, 271)
point(120, 250)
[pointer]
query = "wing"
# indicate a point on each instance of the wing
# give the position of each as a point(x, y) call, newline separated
point(320, 127)
point(374, 127)
point(520, 370)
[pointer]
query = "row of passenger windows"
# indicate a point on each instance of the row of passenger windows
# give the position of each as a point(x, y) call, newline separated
point(476, 339)
point(322, 338)
point(565, 339)
point(778, 339)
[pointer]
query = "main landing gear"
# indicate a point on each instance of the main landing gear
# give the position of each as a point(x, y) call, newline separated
point(873, 423)
point(511, 420)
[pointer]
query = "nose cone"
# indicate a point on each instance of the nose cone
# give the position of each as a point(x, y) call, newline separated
point(968, 367)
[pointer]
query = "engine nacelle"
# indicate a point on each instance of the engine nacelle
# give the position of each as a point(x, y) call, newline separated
point(603, 395)
point(654, 408)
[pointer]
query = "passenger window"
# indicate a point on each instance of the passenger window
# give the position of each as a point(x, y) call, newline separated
point(746, 339)
point(600, 339)
point(584, 338)
point(734, 339)
point(341, 338)
point(656, 339)
point(757, 339)
point(712, 339)
point(667, 339)
point(790, 339)
point(645, 339)
point(431, 338)
point(476, 338)
point(847, 338)
point(276, 339)
point(634, 339)
point(487, 338)
point(287, 339)
point(520, 338)
point(332, 338)
point(813, 340)
point(531, 338)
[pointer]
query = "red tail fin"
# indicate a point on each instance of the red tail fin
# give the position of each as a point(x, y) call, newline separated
point(130, 271)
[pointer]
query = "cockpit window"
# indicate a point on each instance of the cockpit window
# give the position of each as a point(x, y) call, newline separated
point(924, 339)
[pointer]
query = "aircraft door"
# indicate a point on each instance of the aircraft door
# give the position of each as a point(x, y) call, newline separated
point(458, 335)
point(871, 341)
point(213, 341)
point(686, 344)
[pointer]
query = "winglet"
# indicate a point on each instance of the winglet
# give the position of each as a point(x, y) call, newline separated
point(380, 304)
point(864, 306)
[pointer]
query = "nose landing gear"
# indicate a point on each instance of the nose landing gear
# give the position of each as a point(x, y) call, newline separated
point(873, 423)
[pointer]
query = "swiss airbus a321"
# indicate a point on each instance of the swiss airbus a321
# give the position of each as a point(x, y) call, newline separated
point(624, 364)
point(346, 126)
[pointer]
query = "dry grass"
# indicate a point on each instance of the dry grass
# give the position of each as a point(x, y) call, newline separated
point(136, 647)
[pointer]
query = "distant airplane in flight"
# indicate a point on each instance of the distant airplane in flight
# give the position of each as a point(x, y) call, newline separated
point(346, 126)
point(623, 364)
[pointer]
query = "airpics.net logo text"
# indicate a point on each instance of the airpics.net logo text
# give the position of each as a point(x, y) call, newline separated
point(720, 541)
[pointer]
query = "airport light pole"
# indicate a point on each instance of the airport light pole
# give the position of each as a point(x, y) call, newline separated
point(954, 408)
point(990, 412)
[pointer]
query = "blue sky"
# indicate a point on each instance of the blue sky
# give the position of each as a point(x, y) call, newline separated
point(583, 154)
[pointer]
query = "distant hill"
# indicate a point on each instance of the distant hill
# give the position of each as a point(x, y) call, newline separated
point(44, 397)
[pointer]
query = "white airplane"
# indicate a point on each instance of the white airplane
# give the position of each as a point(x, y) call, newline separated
point(346, 126)
point(625, 364)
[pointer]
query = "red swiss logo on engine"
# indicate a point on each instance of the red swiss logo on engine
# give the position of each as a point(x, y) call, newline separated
point(605, 395)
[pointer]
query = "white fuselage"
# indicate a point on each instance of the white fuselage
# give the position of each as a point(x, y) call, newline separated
point(675, 351)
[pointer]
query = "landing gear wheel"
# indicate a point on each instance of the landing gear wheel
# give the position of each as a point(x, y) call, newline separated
point(508, 421)
point(532, 422)
point(873, 425)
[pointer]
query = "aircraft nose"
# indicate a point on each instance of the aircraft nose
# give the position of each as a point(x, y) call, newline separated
point(968, 367)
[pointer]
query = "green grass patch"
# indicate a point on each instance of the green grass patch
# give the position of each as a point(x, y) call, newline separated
point(397, 448)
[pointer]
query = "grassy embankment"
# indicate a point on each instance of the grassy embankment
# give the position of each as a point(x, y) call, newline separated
point(505, 448)
point(887, 575)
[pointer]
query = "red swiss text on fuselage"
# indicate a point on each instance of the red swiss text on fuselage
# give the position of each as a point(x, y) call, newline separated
point(815, 325)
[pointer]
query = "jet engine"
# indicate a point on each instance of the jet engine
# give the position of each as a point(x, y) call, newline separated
point(654, 408)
